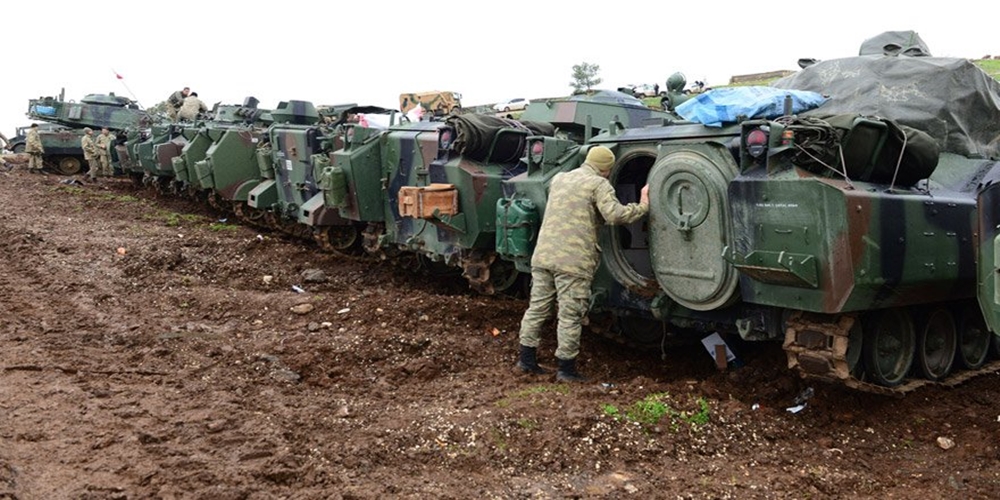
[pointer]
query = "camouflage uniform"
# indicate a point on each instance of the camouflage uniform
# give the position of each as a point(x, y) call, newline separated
point(89, 152)
point(33, 146)
point(174, 103)
point(104, 142)
point(191, 107)
point(566, 257)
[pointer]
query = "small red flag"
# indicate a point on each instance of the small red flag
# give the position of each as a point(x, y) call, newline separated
point(119, 76)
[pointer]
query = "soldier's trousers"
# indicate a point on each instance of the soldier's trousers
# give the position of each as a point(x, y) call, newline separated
point(104, 162)
point(94, 166)
point(572, 294)
point(34, 161)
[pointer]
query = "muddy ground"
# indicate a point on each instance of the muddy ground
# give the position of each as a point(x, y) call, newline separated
point(150, 350)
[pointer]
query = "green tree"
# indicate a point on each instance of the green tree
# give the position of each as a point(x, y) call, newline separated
point(159, 109)
point(585, 77)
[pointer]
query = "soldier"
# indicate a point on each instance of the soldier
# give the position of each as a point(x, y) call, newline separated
point(191, 107)
point(104, 142)
point(175, 101)
point(565, 259)
point(35, 150)
point(89, 153)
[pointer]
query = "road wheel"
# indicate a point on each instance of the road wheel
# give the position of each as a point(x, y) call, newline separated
point(337, 238)
point(68, 165)
point(503, 276)
point(889, 346)
point(936, 344)
point(18, 148)
point(973, 339)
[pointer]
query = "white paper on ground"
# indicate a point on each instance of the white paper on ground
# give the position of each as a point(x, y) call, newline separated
point(713, 340)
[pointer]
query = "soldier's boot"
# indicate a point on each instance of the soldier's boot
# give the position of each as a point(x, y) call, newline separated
point(528, 363)
point(567, 371)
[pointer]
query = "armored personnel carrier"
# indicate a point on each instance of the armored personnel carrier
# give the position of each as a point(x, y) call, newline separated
point(860, 234)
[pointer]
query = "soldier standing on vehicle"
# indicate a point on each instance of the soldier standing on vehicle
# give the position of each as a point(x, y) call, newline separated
point(192, 107)
point(104, 142)
point(175, 101)
point(33, 146)
point(566, 257)
point(90, 153)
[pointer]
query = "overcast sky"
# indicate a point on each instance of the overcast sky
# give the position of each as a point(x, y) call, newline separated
point(368, 52)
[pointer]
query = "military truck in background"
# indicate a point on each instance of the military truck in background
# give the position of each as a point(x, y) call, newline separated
point(64, 121)
point(437, 102)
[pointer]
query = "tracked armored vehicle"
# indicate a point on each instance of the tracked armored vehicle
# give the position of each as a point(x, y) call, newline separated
point(430, 189)
point(61, 141)
point(859, 233)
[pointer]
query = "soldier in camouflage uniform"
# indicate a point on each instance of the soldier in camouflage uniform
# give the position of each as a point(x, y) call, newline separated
point(566, 257)
point(33, 146)
point(89, 153)
point(191, 108)
point(103, 143)
point(175, 101)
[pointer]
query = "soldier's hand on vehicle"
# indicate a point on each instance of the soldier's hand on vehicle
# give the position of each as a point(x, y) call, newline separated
point(644, 197)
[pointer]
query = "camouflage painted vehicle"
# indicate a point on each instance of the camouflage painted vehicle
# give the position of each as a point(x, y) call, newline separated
point(431, 188)
point(220, 161)
point(435, 102)
point(581, 116)
point(63, 153)
point(297, 150)
point(433, 202)
point(167, 154)
point(850, 238)
point(147, 154)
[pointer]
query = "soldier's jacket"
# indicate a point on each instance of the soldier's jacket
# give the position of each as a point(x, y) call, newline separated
point(176, 99)
point(104, 143)
point(579, 202)
point(33, 143)
point(191, 107)
point(89, 149)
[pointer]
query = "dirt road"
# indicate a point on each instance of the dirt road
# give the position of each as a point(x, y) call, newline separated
point(149, 349)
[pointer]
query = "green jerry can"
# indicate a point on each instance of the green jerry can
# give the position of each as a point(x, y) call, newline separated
point(517, 228)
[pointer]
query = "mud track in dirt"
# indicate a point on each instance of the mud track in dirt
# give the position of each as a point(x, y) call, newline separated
point(175, 367)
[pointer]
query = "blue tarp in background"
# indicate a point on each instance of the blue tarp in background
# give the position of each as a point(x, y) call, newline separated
point(718, 107)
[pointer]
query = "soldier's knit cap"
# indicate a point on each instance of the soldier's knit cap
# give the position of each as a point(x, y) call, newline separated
point(601, 158)
point(87, 129)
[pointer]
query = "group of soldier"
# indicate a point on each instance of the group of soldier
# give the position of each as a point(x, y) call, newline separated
point(97, 152)
point(185, 105)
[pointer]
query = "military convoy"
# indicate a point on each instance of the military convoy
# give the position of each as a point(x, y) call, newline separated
point(861, 234)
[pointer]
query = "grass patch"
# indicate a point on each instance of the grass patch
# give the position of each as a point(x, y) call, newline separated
point(122, 198)
point(498, 439)
point(531, 391)
point(655, 409)
point(173, 219)
point(526, 423)
point(221, 226)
